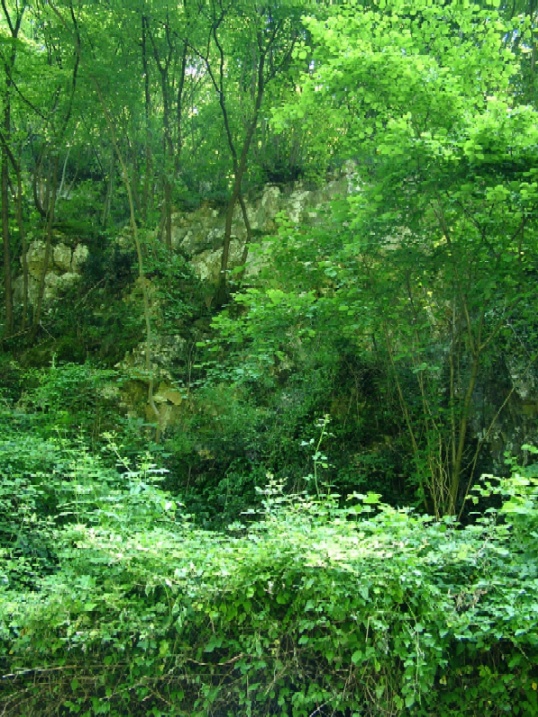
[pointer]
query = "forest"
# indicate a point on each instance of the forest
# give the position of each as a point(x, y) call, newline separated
point(268, 358)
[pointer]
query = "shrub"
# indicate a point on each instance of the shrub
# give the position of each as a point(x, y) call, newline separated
point(309, 609)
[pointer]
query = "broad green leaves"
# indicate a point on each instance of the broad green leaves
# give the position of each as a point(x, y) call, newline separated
point(434, 256)
point(378, 608)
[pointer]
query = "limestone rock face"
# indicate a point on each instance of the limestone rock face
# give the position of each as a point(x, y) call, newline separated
point(35, 258)
point(207, 264)
point(63, 270)
point(78, 257)
point(518, 422)
point(62, 257)
point(200, 234)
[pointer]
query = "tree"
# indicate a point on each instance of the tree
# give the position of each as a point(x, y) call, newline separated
point(247, 46)
point(65, 58)
point(435, 266)
point(13, 17)
point(169, 35)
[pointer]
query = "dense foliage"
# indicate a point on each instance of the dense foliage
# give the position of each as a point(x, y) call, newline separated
point(114, 603)
point(269, 492)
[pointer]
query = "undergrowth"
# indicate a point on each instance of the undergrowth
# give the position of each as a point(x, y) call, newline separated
point(113, 602)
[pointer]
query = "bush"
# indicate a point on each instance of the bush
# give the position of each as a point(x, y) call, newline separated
point(72, 398)
point(310, 609)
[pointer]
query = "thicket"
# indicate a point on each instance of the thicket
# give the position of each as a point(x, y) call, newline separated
point(114, 602)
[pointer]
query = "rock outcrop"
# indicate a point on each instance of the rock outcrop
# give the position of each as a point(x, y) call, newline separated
point(199, 235)
point(63, 271)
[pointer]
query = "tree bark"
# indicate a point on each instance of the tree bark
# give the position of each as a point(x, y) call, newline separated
point(51, 207)
point(138, 247)
point(14, 24)
point(171, 148)
point(148, 169)
point(6, 240)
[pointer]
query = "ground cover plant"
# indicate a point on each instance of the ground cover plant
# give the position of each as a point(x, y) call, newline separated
point(305, 607)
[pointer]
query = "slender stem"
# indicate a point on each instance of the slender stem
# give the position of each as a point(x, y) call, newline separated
point(138, 246)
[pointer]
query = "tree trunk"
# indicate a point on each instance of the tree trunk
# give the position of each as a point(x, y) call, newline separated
point(51, 207)
point(24, 247)
point(138, 247)
point(6, 239)
point(109, 192)
point(222, 294)
point(148, 169)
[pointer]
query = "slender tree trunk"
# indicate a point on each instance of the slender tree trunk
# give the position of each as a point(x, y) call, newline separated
point(39, 203)
point(4, 190)
point(248, 238)
point(13, 19)
point(6, 234)
point(138, 247)
point(16, 164)
point(179, 108)
point(168, 212)
point(6, 239)
point(109, 192)
point(532, 13)
point(168, 168)
point(148, 173)
point(222, 294)
point(457, 463)
point(171, 149)
point(51, 207)
point(24, 247)
point(264, 70)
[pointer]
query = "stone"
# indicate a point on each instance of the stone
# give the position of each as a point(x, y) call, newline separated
point(200, 234)
point(168, 394)
point(63, 270)
point(207, 264)
point(296, 205)
point(35, 257)
point(61, 254)
point(80, 254)
point(65, 281)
